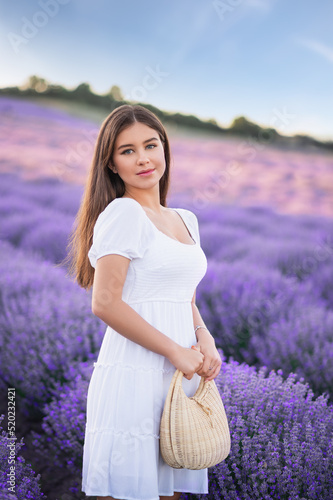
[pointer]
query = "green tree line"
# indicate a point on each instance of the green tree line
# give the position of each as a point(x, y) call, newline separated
point(241, 126)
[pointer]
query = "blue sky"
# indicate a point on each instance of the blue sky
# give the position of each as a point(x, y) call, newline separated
point(271, 61)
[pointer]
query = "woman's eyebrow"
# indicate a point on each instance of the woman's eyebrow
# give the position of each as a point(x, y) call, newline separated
point(126, 145)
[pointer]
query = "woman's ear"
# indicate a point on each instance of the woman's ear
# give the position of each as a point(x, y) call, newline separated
point(113, 168)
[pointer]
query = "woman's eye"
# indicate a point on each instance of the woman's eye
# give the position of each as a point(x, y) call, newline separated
point(126, 150)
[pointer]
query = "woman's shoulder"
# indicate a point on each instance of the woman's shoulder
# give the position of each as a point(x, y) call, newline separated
point(120, 228)
point(187, 214)
point(122, 208)
point(191, 222)
point(122, 204)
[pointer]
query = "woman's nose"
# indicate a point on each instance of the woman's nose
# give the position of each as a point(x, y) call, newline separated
point(143, 159)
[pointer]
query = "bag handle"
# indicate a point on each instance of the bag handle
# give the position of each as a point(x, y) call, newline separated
point(201, 391)
point(177, 380)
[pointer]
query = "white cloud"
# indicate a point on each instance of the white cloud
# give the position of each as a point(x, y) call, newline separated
point(318, 47)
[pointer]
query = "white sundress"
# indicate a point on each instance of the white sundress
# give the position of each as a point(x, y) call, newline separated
point(129, 383)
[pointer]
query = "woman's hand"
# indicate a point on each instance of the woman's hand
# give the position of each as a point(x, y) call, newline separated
point(212, 359)
point(187, 360)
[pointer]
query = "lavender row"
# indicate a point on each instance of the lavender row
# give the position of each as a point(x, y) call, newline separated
point(18, 481)
point(281, 436)
point(46, 324)
point(263, 318)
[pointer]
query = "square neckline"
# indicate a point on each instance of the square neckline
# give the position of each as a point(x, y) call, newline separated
point(169, 237)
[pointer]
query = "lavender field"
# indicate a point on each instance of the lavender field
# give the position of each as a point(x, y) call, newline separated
point(267, 298)
point(38, 140)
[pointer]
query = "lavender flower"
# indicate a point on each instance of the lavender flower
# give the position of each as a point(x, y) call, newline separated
point(64, 421)
point(254, 312)
point(26, 483)
point(46, 324)
point(281, 438)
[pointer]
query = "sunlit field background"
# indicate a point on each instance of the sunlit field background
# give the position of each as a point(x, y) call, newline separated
point(41, 140)
point(265, 217)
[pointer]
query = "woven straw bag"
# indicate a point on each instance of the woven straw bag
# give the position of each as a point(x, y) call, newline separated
point(194, 431)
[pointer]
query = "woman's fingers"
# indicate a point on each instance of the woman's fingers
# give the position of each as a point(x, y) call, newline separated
point(195, 362)
point(202, 357)
point(210, 368)
point(211, 365)
point(214, 373)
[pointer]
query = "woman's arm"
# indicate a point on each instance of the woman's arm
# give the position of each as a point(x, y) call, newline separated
point(107, 304)
point(206, 343)
point(197, 320)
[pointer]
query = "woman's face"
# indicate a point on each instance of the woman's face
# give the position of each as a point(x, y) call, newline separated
point(139, 148)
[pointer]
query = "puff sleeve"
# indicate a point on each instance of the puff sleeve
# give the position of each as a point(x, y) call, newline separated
point(120, 229)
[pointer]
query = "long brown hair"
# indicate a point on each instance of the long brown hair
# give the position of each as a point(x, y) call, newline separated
point(103, 186)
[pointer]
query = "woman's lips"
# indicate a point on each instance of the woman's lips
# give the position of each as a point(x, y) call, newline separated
point(148, 172)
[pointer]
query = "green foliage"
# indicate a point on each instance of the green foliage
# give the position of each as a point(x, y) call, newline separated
point(244, 126)
point(241, 126)
point(115, 93)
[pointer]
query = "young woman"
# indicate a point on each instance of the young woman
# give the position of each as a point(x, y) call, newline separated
point(144, 261)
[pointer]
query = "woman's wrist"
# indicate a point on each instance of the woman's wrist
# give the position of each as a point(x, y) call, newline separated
point(197, 327)
point(172, 351)
point(203, 332)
